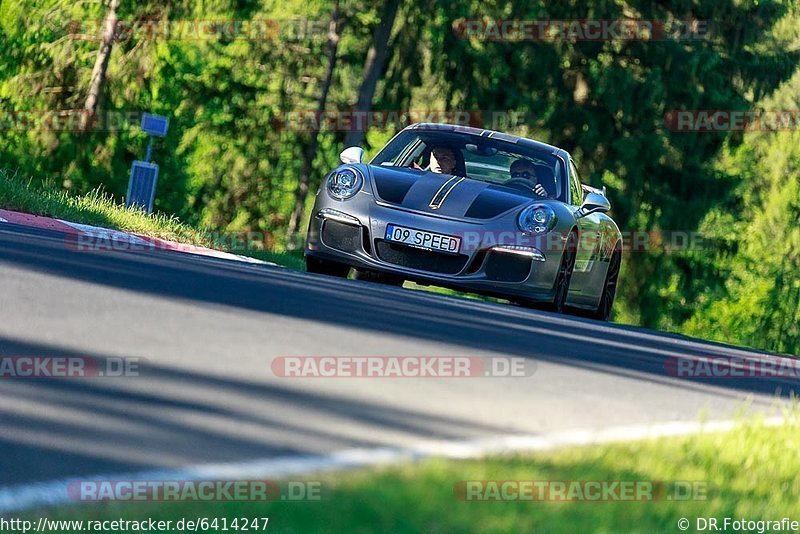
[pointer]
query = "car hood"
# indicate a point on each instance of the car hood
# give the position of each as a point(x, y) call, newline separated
point(443, 194)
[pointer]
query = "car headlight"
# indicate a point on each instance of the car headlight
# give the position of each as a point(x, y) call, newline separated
point(537, 219)
point(345, 183)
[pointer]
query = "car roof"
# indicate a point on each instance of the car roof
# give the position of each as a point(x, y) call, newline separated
point(524, 141)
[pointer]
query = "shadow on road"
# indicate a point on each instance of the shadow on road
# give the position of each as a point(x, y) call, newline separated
point(485, 326)
point(119, 425)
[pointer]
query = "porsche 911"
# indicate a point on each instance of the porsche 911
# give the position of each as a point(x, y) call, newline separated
point(473, 210)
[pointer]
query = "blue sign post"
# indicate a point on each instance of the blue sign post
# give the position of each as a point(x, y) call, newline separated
point(144, 174)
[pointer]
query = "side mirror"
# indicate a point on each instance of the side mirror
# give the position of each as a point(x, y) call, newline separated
point(594, 202)
point(354, 154)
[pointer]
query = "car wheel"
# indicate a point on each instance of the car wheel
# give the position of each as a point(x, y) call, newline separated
point(603, 311)
point(565, 273)
point(330, 268)
point(380, 278)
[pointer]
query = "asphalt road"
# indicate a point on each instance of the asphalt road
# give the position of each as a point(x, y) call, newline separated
point(209, 329)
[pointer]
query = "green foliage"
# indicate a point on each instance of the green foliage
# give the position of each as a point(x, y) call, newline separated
point(606, 102)
point(758, 260)
point(231, 160)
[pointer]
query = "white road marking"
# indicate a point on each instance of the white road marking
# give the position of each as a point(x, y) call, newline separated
point(105, 234)
point(130, 239)
point(54, 493)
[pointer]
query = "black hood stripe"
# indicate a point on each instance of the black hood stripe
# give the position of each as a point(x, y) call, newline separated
point(440, 196)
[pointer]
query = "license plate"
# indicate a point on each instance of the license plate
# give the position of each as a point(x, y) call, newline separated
point(422, 239)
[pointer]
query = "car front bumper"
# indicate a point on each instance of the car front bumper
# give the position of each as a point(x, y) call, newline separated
point(491, 260)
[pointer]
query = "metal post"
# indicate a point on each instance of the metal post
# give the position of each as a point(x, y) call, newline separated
point(144, 174)
point(148, 156)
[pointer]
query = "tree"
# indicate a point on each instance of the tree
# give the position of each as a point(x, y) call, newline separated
point(373, 67)
point(231, 163)
point(310, 152)
point(754, 297)
point(606, 102)
point(100, 65)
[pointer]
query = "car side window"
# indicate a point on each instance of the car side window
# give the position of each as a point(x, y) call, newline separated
point(576, 192)
point(413, 154)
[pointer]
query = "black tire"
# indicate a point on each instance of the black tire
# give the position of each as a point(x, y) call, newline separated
point(603, 312)
point(380, 278)
point(564, 276)
point(330, 268)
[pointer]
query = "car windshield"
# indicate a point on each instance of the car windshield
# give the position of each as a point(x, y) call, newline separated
point(479, 158)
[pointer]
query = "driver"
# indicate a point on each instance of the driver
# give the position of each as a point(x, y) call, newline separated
point(443, 160)
point(524, 169)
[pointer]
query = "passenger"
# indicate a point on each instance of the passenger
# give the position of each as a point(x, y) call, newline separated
point(443, 160)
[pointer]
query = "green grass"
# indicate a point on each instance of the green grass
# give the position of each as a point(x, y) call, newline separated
point(99, 209)
point(96, 208)
point(752, 472)
point(293, 260)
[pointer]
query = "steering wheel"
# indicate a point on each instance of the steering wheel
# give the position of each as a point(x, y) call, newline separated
point(522, 182)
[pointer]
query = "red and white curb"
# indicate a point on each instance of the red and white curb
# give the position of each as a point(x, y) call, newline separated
point(83, 237)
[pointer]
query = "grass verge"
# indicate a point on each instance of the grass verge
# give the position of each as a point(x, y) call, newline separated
point(750, 473)
point(95, 208)
point(99, 209)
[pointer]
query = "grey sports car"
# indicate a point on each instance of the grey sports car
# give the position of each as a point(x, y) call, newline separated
point(470, 209)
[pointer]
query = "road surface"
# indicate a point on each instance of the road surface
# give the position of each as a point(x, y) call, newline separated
point(208, 329)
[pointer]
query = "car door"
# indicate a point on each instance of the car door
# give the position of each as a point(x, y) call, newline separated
point(582, 290)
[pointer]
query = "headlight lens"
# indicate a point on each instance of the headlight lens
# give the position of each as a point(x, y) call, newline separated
point(345, 183)
point(537, 219)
